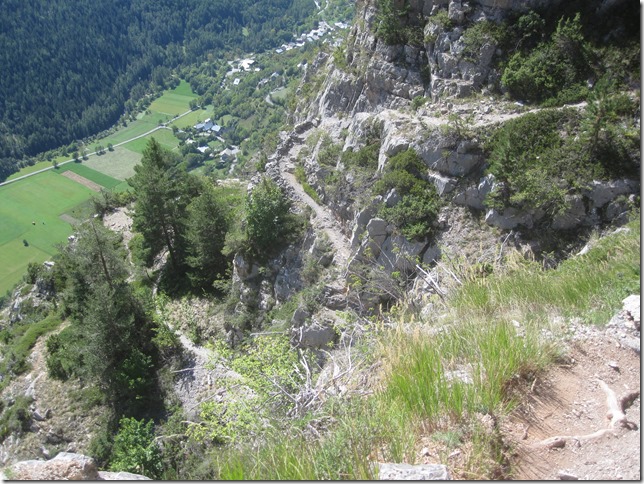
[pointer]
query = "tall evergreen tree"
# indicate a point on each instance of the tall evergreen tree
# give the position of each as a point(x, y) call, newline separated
point(163, 193)
point(109, 338)
point(209, 219)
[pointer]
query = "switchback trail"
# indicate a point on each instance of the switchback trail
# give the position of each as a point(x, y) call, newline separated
point(323, 220)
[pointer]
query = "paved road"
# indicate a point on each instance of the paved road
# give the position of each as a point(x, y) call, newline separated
point(163, 126)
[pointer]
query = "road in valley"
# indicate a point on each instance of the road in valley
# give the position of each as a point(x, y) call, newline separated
point(163, 126)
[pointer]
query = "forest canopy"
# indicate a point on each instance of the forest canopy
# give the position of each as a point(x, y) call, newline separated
point(55, 89)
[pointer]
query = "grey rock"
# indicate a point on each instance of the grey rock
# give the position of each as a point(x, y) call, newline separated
point(567, 476)
point(65, 466)
point(432, 254)
point(377, 231)
point(121, 476)
point(508, 219)
point(443, 184)
point(602, 192)
point(392, 198)
point(360, 222)
point(399, 254)
point(571, 217)
point(244, 269)
point(299, 316)
point(408, 472)
point(631, 305)
point(316, 335)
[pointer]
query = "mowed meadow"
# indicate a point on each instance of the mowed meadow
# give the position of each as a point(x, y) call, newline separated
point(38, 213)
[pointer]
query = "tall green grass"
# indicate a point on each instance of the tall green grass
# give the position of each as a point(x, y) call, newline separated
point(362, 429)
point(590, 286)
point(423, 391)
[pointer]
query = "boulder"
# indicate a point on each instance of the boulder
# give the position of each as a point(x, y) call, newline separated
point(315, 335)
point(299, 316)
point(475, 196)
point(408, 472)
point(572, 216)
point(443, 184)
point(508, 219)
point(377, 231)
point(392, 198)
point(65, 466)
point(361, 220)
point(121, 476)
point(244, 269)
point(602, 192)
point(399, 254)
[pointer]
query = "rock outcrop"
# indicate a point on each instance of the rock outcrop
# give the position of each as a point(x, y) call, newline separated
point(65, 466)
point(408, 472)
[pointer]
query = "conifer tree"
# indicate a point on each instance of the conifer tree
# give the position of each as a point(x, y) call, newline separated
point(163, 193)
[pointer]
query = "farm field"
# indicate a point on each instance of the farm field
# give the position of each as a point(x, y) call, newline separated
point(117, 164)
point(194, 117)
point(165, 137)
point(31, 169)
point(40, 199)
point(175, 101)
point(45, 197)
point(92, 175)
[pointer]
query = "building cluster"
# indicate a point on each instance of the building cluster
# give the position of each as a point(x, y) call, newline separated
point(316, 34)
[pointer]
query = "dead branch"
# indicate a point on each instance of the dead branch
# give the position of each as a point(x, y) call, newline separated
point(616, 414)
point(444, 267)
point(188, 369)
point(498, 259)
point(430, 280)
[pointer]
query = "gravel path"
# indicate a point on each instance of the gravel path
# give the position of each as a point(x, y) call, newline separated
point(323, 220)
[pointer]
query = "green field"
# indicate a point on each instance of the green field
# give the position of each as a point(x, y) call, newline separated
point(194, 117)
point(43, 198)
point(40, 199)
point(117, 164)
point(164, 137)
point(92, 175)
point(31, 169)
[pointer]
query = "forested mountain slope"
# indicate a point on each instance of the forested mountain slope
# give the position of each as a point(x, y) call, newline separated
point(68, 68)
point(434, 267)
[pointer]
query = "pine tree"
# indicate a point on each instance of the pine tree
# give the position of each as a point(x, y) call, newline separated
point(209, 219)
point(162, 192)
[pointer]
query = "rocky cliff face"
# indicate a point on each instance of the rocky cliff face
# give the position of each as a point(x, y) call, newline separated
point(368, 87)
point(370, 75)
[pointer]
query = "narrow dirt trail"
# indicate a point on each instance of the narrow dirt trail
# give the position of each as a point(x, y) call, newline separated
point(323, 220)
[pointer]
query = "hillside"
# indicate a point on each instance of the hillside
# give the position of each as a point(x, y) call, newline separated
point(56, 90)
point(433, 271)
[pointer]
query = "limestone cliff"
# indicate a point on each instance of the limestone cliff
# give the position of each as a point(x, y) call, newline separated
point(436, 93)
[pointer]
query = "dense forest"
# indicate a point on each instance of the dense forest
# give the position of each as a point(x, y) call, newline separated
point(55, 89)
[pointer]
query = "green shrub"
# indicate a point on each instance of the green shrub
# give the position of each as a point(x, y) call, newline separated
point(542, 157)
point(529, 150)
point(365, 157)
point(417, 211)
point(135, 449)
point(394, 25)
point(479, 34)
point(418, 101)
point(63, 358)
point(16, 418)
point(557, 67)
point(20, 340)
